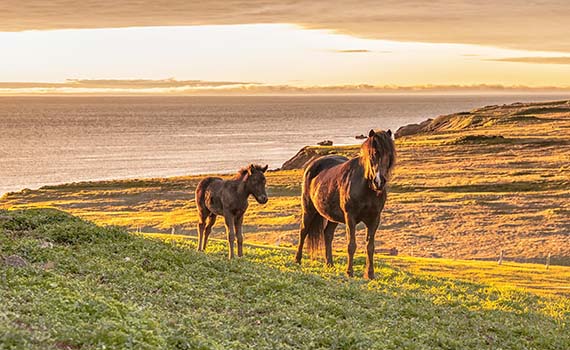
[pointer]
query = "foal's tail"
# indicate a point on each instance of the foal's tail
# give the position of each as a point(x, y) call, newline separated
point(200, 195)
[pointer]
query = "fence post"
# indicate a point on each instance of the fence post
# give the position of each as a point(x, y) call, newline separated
point(501, 257)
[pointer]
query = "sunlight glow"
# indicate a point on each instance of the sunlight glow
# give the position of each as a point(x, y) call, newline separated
point(262, 53)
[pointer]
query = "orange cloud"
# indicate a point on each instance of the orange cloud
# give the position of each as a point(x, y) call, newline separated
point(531, 25)
point(353, 51)
point(535, 60)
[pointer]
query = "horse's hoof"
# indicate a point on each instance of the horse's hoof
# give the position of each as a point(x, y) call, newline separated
point(349, 273)
point(369, 276)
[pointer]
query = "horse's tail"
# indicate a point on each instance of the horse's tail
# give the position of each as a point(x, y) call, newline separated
point(316, 235)
point(312, 222)
point(200, 194)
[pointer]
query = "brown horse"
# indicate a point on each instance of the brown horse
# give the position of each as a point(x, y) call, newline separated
point(228, 198)
point(338, 190)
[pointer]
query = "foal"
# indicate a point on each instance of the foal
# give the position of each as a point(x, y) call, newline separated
point(228, 198)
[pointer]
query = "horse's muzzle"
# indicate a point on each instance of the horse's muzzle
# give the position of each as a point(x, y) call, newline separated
point(261, 199)
point(379, 183)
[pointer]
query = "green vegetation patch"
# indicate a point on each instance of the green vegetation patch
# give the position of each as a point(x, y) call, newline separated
point(89, 287)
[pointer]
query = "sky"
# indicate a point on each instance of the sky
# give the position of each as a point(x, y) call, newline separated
point(160, 46)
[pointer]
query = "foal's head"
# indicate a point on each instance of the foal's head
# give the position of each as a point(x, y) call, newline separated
point(254, 179)
point(378, 154)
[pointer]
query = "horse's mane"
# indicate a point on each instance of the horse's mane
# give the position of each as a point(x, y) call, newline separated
point(368, 153)
point(242, 173)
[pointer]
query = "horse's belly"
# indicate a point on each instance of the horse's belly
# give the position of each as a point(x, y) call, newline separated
point(214, 204)
point(328, 206)
point(334, 216)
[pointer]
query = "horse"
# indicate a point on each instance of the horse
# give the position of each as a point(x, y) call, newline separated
point(337, 190)
point(228, 198)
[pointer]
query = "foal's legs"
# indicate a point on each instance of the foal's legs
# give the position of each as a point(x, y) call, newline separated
point(229, 218)
point(329, 235)
point(208, 230)
point(351, 239)
point(370, 233)
point(309, 214)
point(238, 224)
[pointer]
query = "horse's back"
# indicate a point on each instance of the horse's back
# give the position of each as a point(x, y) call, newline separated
point(316, 167)
point(320, 164)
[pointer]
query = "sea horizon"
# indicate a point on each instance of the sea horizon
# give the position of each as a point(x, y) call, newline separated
point(129, 137)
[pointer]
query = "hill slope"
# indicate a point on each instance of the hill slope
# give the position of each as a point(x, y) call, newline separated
point(68, 284)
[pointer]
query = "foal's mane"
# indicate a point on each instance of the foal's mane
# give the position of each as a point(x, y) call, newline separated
point(368, 152)
point(242, 173)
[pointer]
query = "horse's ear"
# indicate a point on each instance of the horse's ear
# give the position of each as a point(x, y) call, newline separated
point(389, 132)
point(371, 133)
point(250, 169)
point(264, 169)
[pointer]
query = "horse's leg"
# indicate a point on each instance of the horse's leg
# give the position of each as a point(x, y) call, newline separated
point(202, 215)
point(371, 232)
point(200, 229)
point(329, 235)
point(351, 239)
point(229, 218)
point(208, 230)
point(238, 224)
point(308, 216)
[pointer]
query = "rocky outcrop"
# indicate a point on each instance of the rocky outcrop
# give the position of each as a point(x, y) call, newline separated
point(308, 153)
point(488, 116)
point(302, 158)
point(412, 129)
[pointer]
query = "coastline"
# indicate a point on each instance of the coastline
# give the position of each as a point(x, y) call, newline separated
point(459, 191)
point(87, 139)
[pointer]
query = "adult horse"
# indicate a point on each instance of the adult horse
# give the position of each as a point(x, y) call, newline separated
point(338, 190)
point(228, 198)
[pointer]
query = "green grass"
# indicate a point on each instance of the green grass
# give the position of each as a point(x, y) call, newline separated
point(102, 288)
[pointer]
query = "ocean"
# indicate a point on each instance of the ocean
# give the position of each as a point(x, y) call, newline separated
point(53, 140)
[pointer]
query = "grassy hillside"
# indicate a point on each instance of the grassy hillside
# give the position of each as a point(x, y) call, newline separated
point(459, 192)
point(69, 284)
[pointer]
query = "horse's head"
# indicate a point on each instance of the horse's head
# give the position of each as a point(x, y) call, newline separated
point(255, 182)
point(378, 154)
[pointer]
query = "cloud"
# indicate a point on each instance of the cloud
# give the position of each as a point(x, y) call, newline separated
point(531, 25)
point(132, 84)
point(535, 60)
point(353, 51)
point(197, 87)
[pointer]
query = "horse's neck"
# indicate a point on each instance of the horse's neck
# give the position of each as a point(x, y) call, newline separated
point(241, 189)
